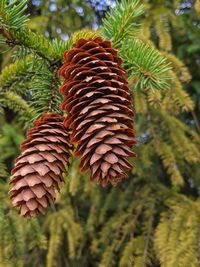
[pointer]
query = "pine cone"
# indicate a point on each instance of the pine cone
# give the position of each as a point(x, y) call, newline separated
point(99, 108)
point(38, 170)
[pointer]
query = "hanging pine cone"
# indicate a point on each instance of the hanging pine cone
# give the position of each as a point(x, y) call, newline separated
point(98, 103)
point(38, 170)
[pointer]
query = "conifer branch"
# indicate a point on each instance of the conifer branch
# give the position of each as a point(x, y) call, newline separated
point(12, 28)
point(146, 67)
point(149, 233)
point(12, 14)
point(179, 225)
point(18, 105)
point(44, 87)
point(15, 76)
point(37, 78)
point(3, 170)
point(120, 23)
point(37, 44)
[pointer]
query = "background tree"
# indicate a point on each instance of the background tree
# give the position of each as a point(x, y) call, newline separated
point(141, 221)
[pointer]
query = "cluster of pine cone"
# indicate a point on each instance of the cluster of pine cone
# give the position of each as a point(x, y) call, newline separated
point(99, 122)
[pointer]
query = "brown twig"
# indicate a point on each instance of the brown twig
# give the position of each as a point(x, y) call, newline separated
point(6, 34)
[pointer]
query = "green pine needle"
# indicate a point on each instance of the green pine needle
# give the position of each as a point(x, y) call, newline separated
point(120, 22)
point(12, 14)
point(145, 65)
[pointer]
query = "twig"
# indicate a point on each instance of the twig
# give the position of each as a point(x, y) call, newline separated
point(12, 41)
point(6, 34)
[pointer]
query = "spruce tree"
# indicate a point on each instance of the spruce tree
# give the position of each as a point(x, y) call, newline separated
point(152, 217)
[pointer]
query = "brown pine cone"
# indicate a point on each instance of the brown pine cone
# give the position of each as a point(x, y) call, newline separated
point(99, 108)
point(38, 170)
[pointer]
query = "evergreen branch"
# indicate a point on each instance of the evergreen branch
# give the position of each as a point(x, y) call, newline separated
point(12, 28)
point(126, 258)
point(14, 33)
point(176, 99)
point(31, 78)
point(119, 24)
point(12, 14)
point(37, 43)
point(168, 159)
point(180, 96)
point(14, 76)
point(59, 222)
point(179, 67)
point(3, 169)
point(18, 105)
point(162, 30)
point(180, 225)
point(11, 244)
point(44, 89)
point(154, 98)
point(140, 102)
point(52, 51)
point(170, 163)
point(146, 67)
point(185, 150)
point(55, 229)
point(15, 68)
point(59, 47)
point(151, 213)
